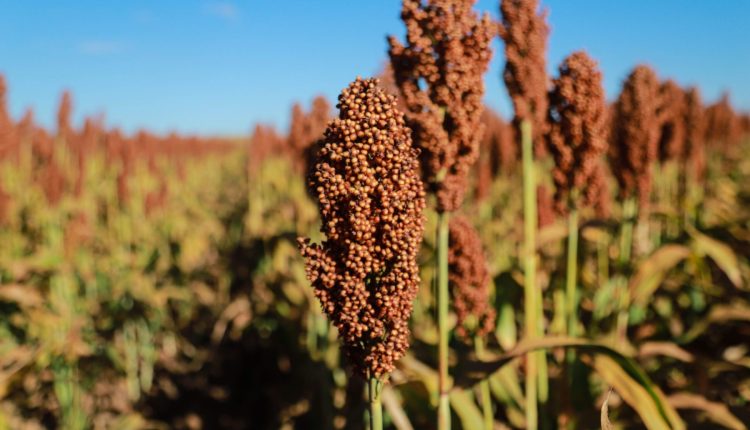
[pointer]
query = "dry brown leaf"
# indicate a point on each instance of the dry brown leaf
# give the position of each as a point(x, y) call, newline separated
point(715, 411)
point(604, 417)
point(667, 349)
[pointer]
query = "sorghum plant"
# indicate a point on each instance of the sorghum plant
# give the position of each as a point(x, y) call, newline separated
point(440, 74)
point(635, 134)
point(672, 117)
point(304, 130)
point(64, 129)
point(365, 273)
point(470, 288)
point(695, 132)
point(577, 141)
point(694, 155)
point(448, 49)
point(524, 31)
point(469, 281)
point(633, 152)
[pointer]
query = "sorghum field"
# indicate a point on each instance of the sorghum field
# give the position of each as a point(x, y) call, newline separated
point(401, 257)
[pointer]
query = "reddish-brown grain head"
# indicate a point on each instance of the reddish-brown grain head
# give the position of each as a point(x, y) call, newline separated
point(671, 114)
point(469, 281)
point(64, 111)
point(371, 200)
point(7, 129)
point(723, 128)
point(577, 135)
point(439, 71)
point(524, 31)
point(635, 134)
point(695, 133)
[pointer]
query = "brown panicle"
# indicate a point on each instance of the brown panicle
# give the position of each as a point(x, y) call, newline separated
point(524, 31)
point(7, 129)
point(64, 129)
point(671, 113)
point(264, 142)
point(440, 74)
point(305, 129)
point(469, 281)
point(635, 134)
point(545, 204)
point(577, 135)
point(695, 133)
point(498, 149)
point(597, 193)
point(371, 200)
point(723, 126)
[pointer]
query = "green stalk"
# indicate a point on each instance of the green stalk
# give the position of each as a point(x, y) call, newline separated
point(626, 246)
point(602, 256)
point(626, 237)
point(674, 199)
point(444, 411)
point(484, 388)
point(376, 406)
point(532, 301)
point(572, 274)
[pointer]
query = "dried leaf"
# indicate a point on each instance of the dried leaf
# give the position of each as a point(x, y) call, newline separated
point(720, 253)
point(604, 416)
point(715, 411)
point(651, 272)
point(655, 413)
point(393, 406)
point(667, 349)
point(24, 295)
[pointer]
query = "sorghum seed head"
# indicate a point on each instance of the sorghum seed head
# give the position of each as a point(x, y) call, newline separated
point(440, 75)
point(635, 133)
point(365, 273)
point(671, 113)
point(576, 135)
point(64, 111)
point(469, 281)
point(524, 31)
point(695, 131)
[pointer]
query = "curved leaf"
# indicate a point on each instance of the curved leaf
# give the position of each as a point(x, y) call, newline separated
point(651, 272)
point(657, 414)
point(717, 314)
point(720, 253)
point(473, 371)
point(715, 411)
point(604, 414)
point(467, 410)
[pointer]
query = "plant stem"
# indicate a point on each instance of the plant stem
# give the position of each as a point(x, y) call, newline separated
point(572, 274)
point(531, 300)
point(376, 407)
point(444, 412)
point(602, 255)
point(484, 388)
point(626, 236)
point(626, 246)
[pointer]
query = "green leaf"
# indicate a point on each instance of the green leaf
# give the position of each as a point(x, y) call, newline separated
point(472, 371)
point(467, 410)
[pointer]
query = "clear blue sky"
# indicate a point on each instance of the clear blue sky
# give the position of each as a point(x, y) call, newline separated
point(217, 67)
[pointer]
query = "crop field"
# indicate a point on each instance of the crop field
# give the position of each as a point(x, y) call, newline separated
point(403, 257)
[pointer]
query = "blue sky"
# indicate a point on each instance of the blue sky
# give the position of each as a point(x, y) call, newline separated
point(216, 67)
